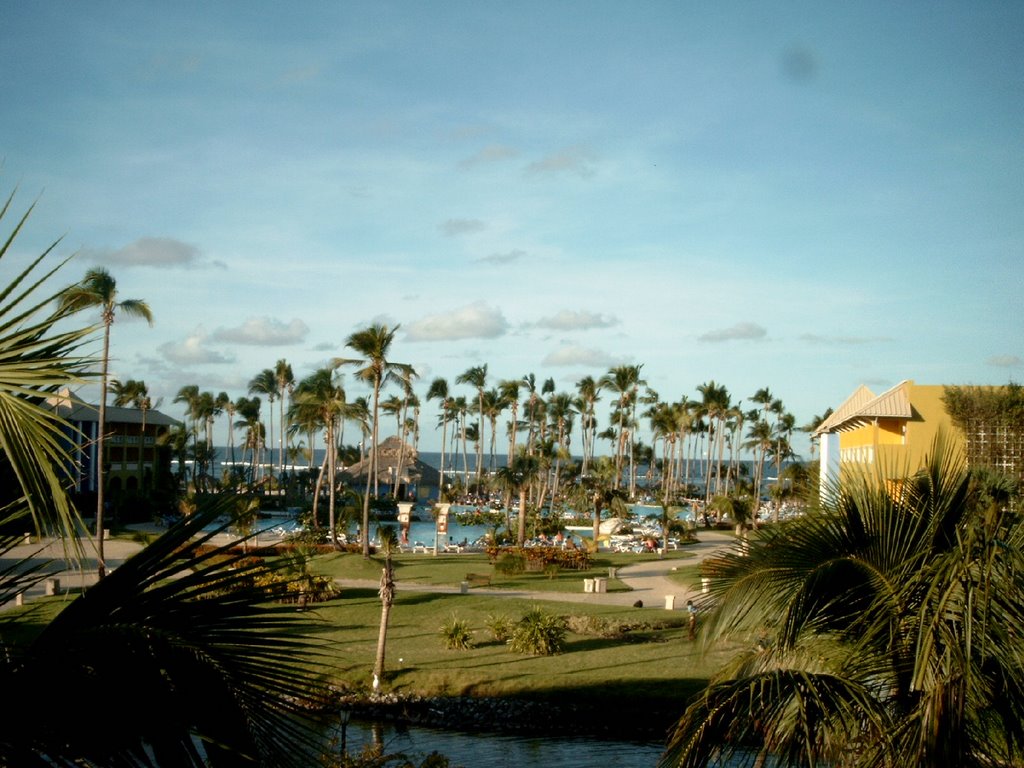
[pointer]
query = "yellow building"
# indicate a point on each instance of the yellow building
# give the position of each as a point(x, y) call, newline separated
point(892, 432)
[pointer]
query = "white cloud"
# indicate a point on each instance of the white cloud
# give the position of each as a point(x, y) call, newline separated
point(475, 321)
point(814, 338)
point(503, 258)
point(160, 252)
point(570, 354)
point(568, 320)
point(740, 331)
point(192, 350)
point(264, 332)
point(1004, 361)
point(576, 161)
point(455, 227)
point(491, 154)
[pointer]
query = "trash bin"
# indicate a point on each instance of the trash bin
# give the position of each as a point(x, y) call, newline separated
point(588, 585)
point(670, 602)
point(705, 584)
point(600, 585)
point(52, 587)
point(464, 587)
point(613, 572)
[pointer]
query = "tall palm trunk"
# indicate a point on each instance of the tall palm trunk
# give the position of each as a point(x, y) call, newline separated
point(101, 429)
point(319, 487)
point(444, 437)
point(142, 451)
point(387, 597)
point(521, 534)
point(373, 469)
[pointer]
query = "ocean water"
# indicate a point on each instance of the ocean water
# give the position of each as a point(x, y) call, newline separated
point(453, 464)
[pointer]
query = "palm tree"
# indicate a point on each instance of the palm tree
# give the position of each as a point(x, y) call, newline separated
point(509, 391)
point(784, 426)
point(460, 407)
point(248, 409)
point(218, 662)
point(206, 413)
point(477, 377)
point(889, 622)
point(438, 390)
point(388, 544)
point(188, 395)
point(285, 380)
point(99, 289)
point(320, 399)
point(812, 426)
point(715, 405)
point(599, 490)
point(516, 477)
point(373, 344)
point(560, 411)
point(494, 404)
point(624, 381)
point(265, 383)
point(36, 357)
point(589, 395)
point(406, 426)
point(136, 394)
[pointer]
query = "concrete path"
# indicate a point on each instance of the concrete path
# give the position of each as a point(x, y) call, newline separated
point(648, 580)
point(63, 578)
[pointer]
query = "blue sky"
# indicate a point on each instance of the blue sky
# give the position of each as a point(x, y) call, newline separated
point(805, 198)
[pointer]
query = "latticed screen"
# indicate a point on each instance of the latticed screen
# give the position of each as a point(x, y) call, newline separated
point(992, 419)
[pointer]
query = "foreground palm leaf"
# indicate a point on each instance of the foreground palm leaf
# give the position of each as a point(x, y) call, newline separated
point(35, 359)
point(884, 631)
point(176, 658)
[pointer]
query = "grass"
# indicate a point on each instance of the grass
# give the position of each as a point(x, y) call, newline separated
point(646, 672)
point(650, 661)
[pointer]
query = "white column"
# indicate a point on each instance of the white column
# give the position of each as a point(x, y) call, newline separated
point(828, 467)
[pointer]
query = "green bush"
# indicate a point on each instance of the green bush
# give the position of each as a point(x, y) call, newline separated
point(588, 624)
point(500, 626)
point(456, 634)
point(538, 634)
point(510, 564)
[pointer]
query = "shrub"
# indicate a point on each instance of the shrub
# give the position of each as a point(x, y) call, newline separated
point(538, 633)
point(456, 634)
point(500, 626)
point(596, 626)
point(510, 563)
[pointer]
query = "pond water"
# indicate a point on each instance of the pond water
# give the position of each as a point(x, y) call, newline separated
point(476, 750)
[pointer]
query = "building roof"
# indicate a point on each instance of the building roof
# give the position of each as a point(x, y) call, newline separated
point(72, 408)
point(863, 406)
point(413, 470)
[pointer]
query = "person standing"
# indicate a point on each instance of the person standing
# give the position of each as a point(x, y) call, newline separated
point(691, 611)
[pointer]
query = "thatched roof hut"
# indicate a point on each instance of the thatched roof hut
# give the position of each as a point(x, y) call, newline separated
point(415, 479)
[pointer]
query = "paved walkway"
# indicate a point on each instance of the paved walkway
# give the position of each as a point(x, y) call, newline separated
point(648, 580)
point(61, 578)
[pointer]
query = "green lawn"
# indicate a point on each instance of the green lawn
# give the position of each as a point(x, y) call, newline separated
point(651, 663)
point(649, 667)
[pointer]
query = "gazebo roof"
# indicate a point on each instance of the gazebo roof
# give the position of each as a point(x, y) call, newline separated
point(390, 454)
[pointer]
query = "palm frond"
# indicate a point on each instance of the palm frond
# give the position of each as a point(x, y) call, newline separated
point(218, 661)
